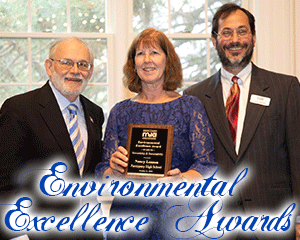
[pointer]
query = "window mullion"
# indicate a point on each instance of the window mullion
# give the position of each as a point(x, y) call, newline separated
point(206, 16)
point(68, 16)
point(29, 54)
point(108, 17)
point(29, 15)
point(169, 17)
point(207, 40)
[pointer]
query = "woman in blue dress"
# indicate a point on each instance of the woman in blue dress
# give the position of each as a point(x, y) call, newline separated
point(153, 71)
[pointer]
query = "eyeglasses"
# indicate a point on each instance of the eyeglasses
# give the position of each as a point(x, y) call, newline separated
point(228, 33)
point(68, 64)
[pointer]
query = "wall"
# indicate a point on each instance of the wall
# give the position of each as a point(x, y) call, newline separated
point(277, 31)
point(297, 37)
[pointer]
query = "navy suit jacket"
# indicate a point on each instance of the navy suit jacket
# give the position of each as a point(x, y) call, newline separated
point(270, 142)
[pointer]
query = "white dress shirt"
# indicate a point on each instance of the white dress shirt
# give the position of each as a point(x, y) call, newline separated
point(63, 104)
point(244, 84)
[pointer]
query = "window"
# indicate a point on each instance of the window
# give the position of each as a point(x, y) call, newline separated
point(188, 24)
point(27, 35)
point(28, 27)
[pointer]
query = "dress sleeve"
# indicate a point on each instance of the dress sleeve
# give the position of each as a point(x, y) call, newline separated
point(201, 140)
point(110, 143)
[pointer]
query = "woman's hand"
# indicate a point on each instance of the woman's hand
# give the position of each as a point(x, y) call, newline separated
point(118, 162)
point(297, 231)
point(175, 175)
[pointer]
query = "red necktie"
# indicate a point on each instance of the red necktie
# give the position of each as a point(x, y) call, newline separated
point(232, 107)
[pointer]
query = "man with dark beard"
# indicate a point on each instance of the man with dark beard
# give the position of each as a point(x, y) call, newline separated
point(255, 116)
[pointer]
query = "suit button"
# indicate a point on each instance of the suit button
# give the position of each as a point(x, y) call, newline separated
point(248, 200)
point(240, 203)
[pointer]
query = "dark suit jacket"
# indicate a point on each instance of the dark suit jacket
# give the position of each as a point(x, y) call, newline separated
point(269, 144)
point(33, 131)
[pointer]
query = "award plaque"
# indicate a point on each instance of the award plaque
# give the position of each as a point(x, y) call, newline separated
point(149, 149)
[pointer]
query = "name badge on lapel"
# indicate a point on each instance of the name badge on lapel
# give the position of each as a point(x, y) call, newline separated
point(260, 100)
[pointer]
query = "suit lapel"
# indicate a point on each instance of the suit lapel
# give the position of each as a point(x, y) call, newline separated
point(53, 118)
point(254, 112)
point(216, 112)
point(89, 119)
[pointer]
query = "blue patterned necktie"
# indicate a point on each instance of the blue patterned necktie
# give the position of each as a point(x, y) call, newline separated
point(76, 137)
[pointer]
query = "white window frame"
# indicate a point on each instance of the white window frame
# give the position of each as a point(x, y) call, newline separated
point(119, 35)
point(48, 35)
point(124, 30)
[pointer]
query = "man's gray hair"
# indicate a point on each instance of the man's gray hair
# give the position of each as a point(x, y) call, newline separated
point(55, 43)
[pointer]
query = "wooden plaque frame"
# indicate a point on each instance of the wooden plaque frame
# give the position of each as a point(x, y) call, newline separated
point(149, 149)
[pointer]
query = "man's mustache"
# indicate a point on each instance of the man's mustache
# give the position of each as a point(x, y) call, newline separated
point(235, 45)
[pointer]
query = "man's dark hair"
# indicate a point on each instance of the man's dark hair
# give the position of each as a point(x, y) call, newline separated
point(224, 11)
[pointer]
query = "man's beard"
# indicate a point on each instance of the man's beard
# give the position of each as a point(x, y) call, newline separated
point(240, 63)
point(64, 88)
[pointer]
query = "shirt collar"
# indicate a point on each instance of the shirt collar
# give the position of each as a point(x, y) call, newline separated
point(62, 101)
point(242, 75)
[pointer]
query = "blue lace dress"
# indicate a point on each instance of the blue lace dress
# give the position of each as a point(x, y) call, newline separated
point(192, 144)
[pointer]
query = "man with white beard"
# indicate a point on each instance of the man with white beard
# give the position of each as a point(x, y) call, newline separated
point(54, 122)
